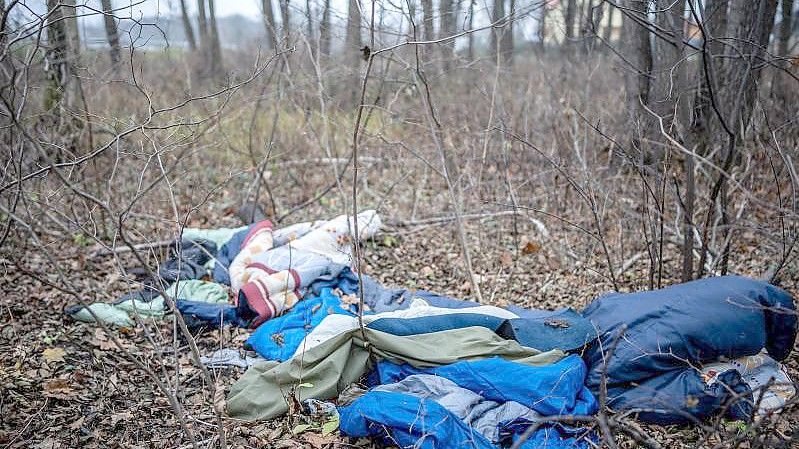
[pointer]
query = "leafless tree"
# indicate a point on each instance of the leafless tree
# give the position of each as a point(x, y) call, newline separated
point(447, 23)
point(215, 45)
point(270, 27)
point(606, 32)
point(61, 56)
point(285, 18)
point(324, 30)
point(501, 38)
point(202, 26)
point(638, 58)
point(428, 31)
point(568, 21)
point(786, 27)
point(112, 33)
point(470, 44)
point(188, 30)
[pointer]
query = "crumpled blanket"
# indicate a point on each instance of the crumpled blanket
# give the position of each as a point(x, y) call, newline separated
point(269, 280)
point(122, 312)
point(326, 370)
point(482, 404)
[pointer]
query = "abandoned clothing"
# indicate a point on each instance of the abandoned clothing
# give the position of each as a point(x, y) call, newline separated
point(267, 280)
point(479, 403)
point(330, 367)
point(767, 379)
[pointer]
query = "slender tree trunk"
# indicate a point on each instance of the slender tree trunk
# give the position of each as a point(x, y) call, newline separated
point(204, 41)
point(541, 32)
point(285, 17)
point(309, 26)
point(606, 33)
point(111, 33)
point(497, 39)
point(324, 30)
point(216, 45)
point(187, 28)
point(786, 28)
point(57, 56)
point(269, 23)
point(508, 39)
point(470, 47)
point(352, 49)
point(73, 35)
point(593, 17)
point(636, 48)
point(427, 20)
point(446, 27)
point(749, 26)
point(568, 21)
point(667, 90)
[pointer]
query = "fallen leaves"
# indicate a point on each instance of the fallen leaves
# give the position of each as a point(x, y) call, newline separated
point(53, 355)
point(58, 388)
point(531, 247)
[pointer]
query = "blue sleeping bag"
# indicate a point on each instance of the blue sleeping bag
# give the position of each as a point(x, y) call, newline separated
point(671, 332)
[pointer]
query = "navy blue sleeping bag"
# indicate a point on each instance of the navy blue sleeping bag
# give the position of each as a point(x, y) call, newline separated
point(671, 332)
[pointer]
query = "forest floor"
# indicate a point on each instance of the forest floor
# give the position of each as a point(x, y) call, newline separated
point(64, 384)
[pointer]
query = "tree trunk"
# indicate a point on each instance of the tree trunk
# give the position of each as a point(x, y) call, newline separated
point(541, 32)
point(470, 48)
point(568, 21)
point(508, 40)
point(202, 26)
point(56, 55)
point(352, 49)
point(112, 33)
point(446, 27)
point(61, 55)
point(606, 33)
point(269, 23)
point(497, 39)
point(593, 17)
point(285, 18)
point(427, 20)
point(667, 83)
point(324, 30)
point(187, 28)
point(635, 46)
point(309, 26)
point(786, 28)
point(749, 26)
point(215, 44)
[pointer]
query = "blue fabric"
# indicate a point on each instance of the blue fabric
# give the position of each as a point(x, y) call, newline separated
point(554, 389)
point(411, 421)
point(434, 323)
point(682, 396)
point(279, 338)
point(669, 330)
point(565, 330)
point(198, 313)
